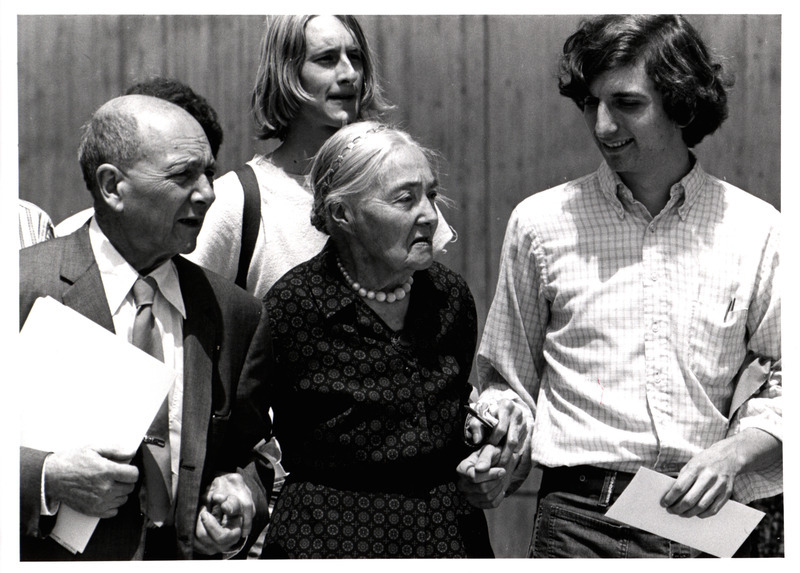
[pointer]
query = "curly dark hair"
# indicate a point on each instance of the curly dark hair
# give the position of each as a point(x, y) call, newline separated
point(185, 97)
point(693, 84)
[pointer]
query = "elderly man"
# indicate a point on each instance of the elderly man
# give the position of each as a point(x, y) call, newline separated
point(149, 168)
point(180, 94)
point(629, 299)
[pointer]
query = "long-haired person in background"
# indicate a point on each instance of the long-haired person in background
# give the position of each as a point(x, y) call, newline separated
point(316, 74)
point(373, 346)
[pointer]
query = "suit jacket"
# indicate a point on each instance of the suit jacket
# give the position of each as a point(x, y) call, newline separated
point(225, 341)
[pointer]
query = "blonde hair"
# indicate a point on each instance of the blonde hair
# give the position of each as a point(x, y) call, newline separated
point(277, 94)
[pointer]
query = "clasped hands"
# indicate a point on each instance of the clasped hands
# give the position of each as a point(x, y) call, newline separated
point(97, 482)
point(226, 517)
point(500, 465)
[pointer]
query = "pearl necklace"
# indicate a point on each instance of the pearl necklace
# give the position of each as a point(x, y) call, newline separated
point(397, 294)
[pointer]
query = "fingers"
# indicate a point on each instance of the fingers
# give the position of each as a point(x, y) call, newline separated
point(89, 482)
point(483, 488)
point(487, 457)
point(211, 537)
point(116, 454)
point(511, 431)
point(489, 499)
point(476, 432)
point(231, 503)
point(697, 495)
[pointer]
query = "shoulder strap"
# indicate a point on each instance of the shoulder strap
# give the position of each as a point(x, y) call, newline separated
point(251, 215)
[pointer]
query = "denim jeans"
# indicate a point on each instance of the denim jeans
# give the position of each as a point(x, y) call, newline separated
point(569, 525)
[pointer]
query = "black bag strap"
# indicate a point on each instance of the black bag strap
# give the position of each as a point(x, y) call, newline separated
point(251, 215)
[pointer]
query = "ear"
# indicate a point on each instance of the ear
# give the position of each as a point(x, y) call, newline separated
point(342, 215)
point(111, 183)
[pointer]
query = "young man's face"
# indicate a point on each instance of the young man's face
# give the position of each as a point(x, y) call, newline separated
point(626, 115)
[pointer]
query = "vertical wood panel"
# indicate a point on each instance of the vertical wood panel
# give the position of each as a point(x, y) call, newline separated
point(536, 137)
point(745, 151)
point(62, 79)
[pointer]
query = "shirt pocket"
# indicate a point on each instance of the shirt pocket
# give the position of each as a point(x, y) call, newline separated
point(717, 335)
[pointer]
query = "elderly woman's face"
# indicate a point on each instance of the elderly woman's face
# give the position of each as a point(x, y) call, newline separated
point(396, 220)
point(332, 73)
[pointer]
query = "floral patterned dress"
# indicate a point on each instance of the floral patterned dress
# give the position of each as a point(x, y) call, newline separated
point(371, 420)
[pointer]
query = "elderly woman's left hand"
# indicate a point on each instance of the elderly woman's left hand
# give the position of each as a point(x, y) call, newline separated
point(483, 482)
point(500, 466)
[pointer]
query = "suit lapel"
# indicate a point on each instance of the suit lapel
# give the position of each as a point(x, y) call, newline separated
point(198, 342)
point(84, 288)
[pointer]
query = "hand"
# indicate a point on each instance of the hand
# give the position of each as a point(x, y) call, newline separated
point(226, 517)
point(706, 482)
point(92, 481)
point(481, 480)
point(511, 432)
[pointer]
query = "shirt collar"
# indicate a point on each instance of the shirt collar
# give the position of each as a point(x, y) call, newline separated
point(119, 276)
point(692, 186)
point(688, 188)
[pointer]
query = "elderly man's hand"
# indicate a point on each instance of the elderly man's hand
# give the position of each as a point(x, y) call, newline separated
point(226, 517)
point(482, 479)
point(92, 481)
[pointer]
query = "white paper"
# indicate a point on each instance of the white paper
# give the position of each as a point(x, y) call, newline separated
point(89, 387)
point(720, 535)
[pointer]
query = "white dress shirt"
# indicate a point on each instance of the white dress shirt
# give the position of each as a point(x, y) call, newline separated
point(169, 312)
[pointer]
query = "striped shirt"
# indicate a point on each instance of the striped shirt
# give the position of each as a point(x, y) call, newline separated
point(623, 332)
point(35, 225)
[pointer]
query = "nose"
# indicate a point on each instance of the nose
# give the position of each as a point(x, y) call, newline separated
point(429, 213)
point(203, 193)
point(604, 122)
point(347, 73)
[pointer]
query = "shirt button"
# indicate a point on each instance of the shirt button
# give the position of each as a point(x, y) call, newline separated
point(654, 277)
point(655, 327)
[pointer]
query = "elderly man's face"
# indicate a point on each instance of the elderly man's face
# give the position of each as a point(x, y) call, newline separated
point(167, 192)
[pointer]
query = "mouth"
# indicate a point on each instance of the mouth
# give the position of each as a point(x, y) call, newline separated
point(191, 222)
point(343, 96)
point(422, 241)
point(615, 145)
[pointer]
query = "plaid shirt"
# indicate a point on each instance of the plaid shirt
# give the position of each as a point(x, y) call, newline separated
point(623, 332)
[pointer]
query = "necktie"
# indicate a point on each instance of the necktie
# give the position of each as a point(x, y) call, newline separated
point(156, 451)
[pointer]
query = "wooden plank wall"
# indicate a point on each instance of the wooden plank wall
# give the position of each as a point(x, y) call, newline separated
point(479, 89)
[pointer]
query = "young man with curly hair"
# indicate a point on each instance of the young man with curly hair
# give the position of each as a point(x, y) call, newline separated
point(629, 299)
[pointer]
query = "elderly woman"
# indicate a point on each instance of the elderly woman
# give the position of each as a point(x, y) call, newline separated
point(373, 345)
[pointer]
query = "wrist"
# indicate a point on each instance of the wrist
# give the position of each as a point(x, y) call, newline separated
point(754, 449)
